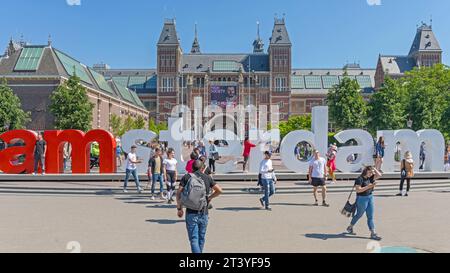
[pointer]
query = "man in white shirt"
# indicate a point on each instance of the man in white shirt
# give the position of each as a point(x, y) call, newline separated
point(132, 169)
point(268, 178)
point(317, 176)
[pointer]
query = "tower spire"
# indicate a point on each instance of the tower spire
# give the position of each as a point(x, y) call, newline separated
point(195, 45)
point(258, 44)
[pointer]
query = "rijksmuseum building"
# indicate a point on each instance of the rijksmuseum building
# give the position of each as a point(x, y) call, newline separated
point(262, 77)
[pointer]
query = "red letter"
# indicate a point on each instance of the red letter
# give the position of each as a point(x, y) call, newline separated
point(9, 154)
point(80, 150)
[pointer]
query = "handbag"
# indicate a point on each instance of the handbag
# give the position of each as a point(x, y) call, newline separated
point(349, 209)
point(403, 171)
point(216, 156)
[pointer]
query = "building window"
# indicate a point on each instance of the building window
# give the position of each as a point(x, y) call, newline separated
point(265, 82)
point(281, 84)
point(167, 84)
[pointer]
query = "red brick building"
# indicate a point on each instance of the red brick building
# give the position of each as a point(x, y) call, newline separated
point(34, 71)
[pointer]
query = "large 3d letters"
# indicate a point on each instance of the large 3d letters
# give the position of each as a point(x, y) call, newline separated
point(9, 154)
point(364, 150)
point(80, 150)
point(133, 137)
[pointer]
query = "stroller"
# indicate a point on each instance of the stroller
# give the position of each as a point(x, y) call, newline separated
point(94, 162)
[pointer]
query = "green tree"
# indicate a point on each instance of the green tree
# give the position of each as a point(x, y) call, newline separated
point(116, 124)
point(139, 123)
point(127, 125)
point(12, 116)
point(156, 128)
point(387, 107)
point(347, 106)
point(71, 106)
point(428, 97)
point(295, 123)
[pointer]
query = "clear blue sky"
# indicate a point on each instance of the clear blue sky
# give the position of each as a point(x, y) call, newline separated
point(324, 33)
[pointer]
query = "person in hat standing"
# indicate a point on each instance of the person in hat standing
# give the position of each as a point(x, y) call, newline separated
point(407, 172)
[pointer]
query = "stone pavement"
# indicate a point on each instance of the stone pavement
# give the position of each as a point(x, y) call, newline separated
point(46, 222)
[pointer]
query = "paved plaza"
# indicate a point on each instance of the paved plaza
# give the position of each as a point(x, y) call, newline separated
point(105, 221)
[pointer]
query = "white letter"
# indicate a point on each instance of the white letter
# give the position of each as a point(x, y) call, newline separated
point(434, 147)
point(364, 150)
point(133, 137)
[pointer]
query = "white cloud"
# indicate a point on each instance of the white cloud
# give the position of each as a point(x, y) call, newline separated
point(374, 2)
point(73, 2)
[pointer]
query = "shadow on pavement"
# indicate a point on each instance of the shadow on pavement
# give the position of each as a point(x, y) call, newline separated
point(148, 202)
point(293, 204)
point(240, 208)
point(163, 206)
point(132, 198)
point(104, 192)
point(343, 235)
point(164, 221)
point(386, 195)
point(440, 191)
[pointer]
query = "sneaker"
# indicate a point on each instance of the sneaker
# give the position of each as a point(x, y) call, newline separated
point(261, 201)
point(375, 237)
point(43, 173)
point(325, 204)
point(34, 173)
point(125, 191)
point(399, 194)
point(406, 194)
point(268, 208)
point(153, 197)
point(350, 230)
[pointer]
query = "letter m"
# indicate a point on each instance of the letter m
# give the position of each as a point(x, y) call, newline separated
point(81, 146)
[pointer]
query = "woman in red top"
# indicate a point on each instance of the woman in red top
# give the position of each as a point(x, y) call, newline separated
point(331, 164)
point(247, 147)
point(191, 162)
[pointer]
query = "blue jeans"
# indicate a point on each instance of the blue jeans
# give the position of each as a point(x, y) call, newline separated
point(157, 177)
point(196, 224)
point(364, 204)
point(268, 190)
point(127, 176)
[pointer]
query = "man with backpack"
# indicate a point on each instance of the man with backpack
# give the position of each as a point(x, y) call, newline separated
point(194, 194)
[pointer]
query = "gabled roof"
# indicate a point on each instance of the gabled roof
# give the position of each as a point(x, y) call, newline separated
point(169, 34)
point(320, 80)
point(196, 63)
point(45, 61)
point(142, 81)
point(123, 91)
point(396, 65)
point(425, 40)
point(280, 35)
